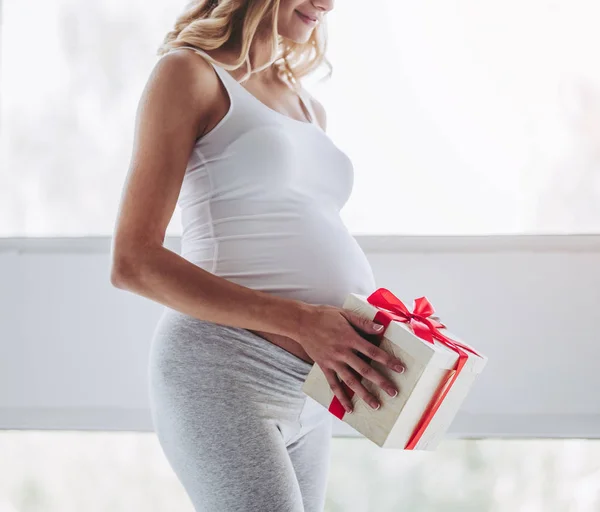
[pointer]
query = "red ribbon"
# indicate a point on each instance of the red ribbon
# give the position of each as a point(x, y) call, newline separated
point(426, 327)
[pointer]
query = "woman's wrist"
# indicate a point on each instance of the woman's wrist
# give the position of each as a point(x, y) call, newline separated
point(291, 319)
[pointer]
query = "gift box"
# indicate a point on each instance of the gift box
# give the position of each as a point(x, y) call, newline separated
point(440, 371)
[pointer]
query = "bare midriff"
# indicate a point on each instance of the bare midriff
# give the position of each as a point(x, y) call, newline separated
point(285, 343)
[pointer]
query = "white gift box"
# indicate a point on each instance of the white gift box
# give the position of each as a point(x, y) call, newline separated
point(429, 367)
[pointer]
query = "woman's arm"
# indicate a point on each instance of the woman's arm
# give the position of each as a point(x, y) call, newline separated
point(182, 100)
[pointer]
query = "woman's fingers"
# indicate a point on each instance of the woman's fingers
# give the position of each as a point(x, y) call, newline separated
point(368, 372)
point(351, 369)
point(377, 354)
point(352, 380)
point(367, 348)
point(362, 323)
point(337, 389)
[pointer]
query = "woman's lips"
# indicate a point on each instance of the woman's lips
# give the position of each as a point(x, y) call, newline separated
point(307, 19)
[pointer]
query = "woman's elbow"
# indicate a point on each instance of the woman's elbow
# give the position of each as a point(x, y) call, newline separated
point(122, 270)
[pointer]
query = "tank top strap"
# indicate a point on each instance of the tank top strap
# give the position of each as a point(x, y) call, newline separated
point(232, 85)
point(223, 74)
point(305, 99)
point(196, 50)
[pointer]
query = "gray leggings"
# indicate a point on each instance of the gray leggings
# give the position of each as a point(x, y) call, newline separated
point(232, 421)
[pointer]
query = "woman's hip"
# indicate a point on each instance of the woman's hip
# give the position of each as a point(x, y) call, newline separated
point(215, 362)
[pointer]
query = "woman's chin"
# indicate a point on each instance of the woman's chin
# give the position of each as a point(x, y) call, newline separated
point(298, 36)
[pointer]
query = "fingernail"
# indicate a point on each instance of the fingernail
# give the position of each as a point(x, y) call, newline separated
point(374, 406)
point(393, 392)
point(378, 327)
point(348, 410)
point(399, 368)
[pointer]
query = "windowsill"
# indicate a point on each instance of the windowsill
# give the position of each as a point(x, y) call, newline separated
point(369, 243)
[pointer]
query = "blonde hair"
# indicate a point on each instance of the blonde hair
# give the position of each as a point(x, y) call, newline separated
point(208, 25)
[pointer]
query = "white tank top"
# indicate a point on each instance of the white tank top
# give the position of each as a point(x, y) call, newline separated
point(260, 204)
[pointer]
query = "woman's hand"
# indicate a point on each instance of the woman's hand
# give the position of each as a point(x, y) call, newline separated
point(329, 337)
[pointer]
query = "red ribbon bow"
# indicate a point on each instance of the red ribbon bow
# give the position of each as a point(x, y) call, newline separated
point(426, 327)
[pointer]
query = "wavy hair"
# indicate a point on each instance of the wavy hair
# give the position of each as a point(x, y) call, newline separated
point(210, 24)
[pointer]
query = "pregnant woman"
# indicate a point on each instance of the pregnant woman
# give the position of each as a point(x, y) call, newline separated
point(225, 130)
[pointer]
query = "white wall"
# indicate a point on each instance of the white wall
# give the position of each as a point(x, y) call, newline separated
point(73, 349)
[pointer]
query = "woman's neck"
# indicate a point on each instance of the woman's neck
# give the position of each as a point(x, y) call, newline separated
point(259, 54)
point(260, 51)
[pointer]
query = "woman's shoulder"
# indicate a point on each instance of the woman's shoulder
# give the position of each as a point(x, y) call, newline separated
point(188, 76)
point(189, 63)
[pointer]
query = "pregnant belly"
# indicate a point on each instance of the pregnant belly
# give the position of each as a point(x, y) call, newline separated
point(317, 264)
point(314, 260)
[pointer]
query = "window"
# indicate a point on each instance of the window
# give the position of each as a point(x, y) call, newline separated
point(461, 118)
point(69, 94)
point(123, 471)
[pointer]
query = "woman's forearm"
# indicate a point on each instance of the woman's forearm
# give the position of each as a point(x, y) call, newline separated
point(165, 277)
